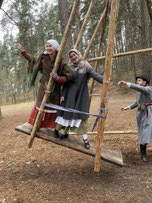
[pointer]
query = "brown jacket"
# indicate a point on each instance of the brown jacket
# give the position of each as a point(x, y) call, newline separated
point(45, 65)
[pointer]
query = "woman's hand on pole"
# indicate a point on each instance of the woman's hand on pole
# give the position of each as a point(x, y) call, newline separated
point(107, 82)
point(54, 76)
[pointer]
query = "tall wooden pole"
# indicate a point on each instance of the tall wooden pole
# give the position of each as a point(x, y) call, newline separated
point(98, 54)
point(108, 65)
point(96, 31)
point(55, 68)
point(84, 25)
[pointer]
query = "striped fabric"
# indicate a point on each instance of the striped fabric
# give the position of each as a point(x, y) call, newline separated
point(49, 119)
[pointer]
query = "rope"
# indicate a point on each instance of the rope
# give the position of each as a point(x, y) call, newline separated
point(60, 108)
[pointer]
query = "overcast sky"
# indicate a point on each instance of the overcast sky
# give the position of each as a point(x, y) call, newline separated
point(5, 6)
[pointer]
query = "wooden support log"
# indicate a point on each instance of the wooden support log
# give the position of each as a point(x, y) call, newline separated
point(55, 68)
point(127, 132)
point(107, 70)
point(84, 25)
point(121, 54)
point(99, 51)
point(96, 31)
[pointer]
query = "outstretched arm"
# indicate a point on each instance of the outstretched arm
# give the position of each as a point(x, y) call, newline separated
point(97, 77)
point(144, 90)
point(24, 53)
point(132, 106)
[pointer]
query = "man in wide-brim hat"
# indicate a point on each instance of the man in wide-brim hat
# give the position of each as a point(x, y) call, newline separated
point(144, 112)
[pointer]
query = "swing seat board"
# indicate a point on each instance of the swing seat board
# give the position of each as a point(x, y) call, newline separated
point(74, 143)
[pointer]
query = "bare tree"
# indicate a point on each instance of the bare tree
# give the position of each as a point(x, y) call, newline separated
point(1, 2)
point(64, 16)
point(1, 114)
point(145, 58)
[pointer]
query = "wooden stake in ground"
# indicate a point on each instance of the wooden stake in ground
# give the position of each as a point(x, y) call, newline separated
point(56, 65)
point(108, 64)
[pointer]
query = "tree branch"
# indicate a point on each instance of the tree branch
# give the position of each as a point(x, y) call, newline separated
point(16, 7)
point(9, 17)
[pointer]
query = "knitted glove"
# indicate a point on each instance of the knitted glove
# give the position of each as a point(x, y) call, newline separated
point(20, 47)
point(54, 76)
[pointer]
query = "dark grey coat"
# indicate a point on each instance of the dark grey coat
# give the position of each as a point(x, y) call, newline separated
point(76, 94)
point(144, 120)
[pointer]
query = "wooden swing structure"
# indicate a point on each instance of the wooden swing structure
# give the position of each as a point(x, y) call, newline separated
point(72, 142)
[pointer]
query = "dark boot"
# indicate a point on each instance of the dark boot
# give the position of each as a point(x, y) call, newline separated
point(63, 136)
point(86, 144)
point(56, 134)
point(143, 152)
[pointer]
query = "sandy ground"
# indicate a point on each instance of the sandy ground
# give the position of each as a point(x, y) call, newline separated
point(51, 173)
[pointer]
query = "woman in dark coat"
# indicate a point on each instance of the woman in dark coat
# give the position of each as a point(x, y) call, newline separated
point(44, 64)
point(75, 95)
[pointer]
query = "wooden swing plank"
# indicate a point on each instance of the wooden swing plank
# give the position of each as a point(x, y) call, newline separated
point(74, 143)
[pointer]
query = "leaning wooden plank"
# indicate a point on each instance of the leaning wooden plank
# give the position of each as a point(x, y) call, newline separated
point(74, 143)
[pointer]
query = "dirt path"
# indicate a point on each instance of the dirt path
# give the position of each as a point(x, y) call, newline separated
point(50, 173)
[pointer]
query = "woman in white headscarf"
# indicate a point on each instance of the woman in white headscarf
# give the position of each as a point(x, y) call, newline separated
point(44, 64)
point(75, 95)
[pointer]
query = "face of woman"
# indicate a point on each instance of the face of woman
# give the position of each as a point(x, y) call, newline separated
point(74, 57)
point(50, 49)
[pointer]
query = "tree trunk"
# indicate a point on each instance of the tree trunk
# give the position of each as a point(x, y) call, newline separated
point(78, 27)
point(1, 114)
point(130, 40)
point(149, 3)
point(64, 17)
point(1, 2)
point(144, 39)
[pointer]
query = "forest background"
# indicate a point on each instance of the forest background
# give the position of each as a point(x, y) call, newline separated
point(32, 23)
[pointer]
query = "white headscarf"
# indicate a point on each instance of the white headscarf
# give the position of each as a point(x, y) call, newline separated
point(54, 43)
